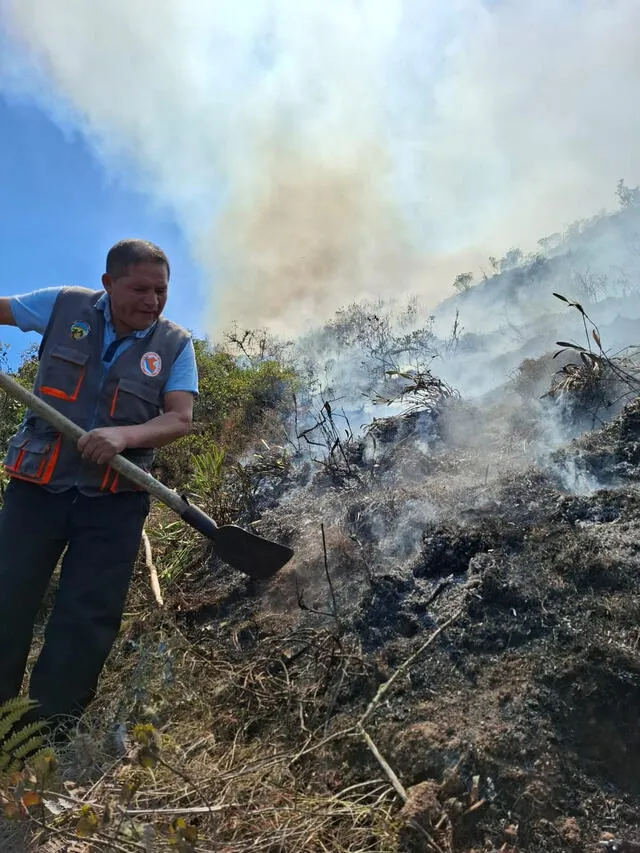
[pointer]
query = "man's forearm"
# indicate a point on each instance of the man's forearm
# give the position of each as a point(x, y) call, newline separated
point(157, 432)
point(6, 314)
point(103, 443)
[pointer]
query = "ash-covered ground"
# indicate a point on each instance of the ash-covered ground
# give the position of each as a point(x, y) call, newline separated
point(518, 726)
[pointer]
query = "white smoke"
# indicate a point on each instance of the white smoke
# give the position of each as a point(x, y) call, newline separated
point(320, 151)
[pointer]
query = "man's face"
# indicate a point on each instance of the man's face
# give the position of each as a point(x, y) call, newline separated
point(137, 297)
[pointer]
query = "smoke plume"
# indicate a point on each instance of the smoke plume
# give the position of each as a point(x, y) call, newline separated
point(325, 151)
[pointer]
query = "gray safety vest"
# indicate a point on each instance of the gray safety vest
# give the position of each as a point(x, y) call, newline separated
point(73, 379)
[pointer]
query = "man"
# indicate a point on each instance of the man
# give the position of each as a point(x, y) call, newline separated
point(112, 364)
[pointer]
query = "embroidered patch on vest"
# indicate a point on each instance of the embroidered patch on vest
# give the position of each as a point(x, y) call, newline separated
point(151, 364)
point(79, 331)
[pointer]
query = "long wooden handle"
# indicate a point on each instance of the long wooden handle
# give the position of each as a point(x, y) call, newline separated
point(257, 557)
point(73, 432)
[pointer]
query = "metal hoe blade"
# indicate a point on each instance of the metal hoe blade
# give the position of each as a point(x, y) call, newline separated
point(255, 556)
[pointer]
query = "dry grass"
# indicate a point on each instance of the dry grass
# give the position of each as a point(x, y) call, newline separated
point(232, 738)
point(244, 727)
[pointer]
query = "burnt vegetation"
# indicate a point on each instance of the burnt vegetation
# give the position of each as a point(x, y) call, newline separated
point(452, 660)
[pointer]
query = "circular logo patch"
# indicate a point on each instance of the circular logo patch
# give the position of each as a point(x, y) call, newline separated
point(151, 364)
point(79, 331)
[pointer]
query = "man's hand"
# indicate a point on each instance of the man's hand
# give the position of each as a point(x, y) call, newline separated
point(101, 445)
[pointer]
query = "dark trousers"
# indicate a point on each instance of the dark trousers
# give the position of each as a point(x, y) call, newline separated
point(102, 537)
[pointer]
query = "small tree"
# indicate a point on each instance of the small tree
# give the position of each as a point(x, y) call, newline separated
point(512, 258)
point(462, 282)
point(628, 196)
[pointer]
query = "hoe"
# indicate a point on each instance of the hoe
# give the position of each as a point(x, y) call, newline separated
point(254, 556)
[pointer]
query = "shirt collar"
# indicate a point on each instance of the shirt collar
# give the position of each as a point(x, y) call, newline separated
point(104, 304)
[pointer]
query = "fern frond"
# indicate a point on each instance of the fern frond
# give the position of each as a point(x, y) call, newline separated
point(12, 711)
point(28, 748)
point(17, 743)
point(13, 761)
point(12, 743)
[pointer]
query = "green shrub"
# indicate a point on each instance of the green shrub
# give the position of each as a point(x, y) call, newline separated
point(232, 396)
point(238, 405)
point(11, 412)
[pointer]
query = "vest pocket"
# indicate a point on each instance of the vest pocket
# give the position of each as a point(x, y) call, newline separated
point(64, 373)
point(134, 402)
point(32, 459)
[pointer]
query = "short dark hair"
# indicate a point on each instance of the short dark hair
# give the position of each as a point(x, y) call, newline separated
point(125, 253)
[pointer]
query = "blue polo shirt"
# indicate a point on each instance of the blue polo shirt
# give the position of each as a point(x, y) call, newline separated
point(32, 312)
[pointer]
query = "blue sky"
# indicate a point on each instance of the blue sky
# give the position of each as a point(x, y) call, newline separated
point(60, 212)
